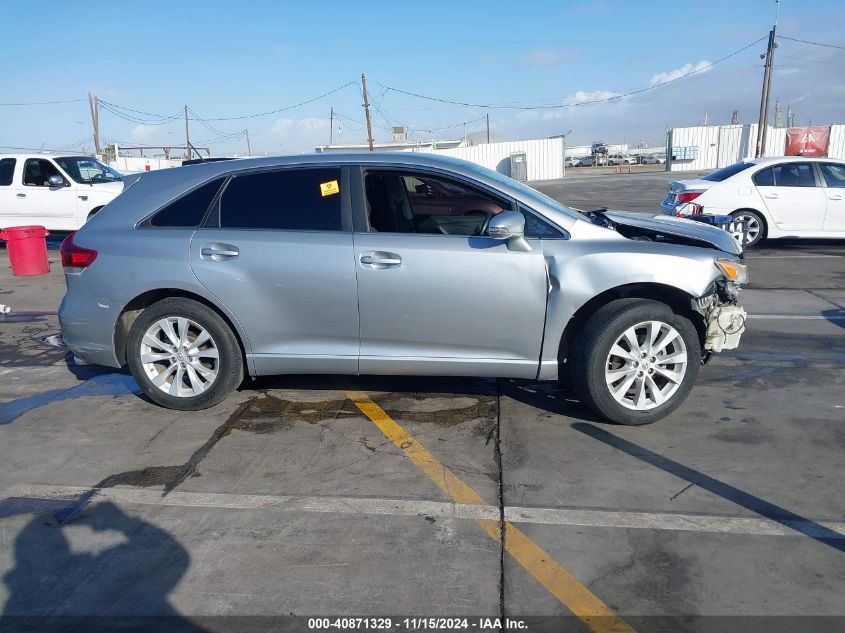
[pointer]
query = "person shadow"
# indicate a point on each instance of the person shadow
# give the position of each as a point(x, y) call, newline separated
point(101, 570)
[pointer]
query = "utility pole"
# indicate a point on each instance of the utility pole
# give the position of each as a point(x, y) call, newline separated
point(187, 135)
point(763, 121)
point(248, 148)
point(367, 112)
point(488, 126)
point(94, 104)
point(790, 117)
point(331, 126)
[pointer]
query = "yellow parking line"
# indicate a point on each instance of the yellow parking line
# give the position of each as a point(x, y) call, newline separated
point(559, 582)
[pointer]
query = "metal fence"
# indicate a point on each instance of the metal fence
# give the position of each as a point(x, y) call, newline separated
point(714, 146)
point(543, 157)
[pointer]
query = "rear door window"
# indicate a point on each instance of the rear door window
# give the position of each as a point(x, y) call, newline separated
point(287, 199)
point(189, 210)
point(7, 171)
point(794, 175)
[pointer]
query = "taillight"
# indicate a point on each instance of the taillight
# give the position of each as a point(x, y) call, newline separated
point(74, 256)
point(688, 196)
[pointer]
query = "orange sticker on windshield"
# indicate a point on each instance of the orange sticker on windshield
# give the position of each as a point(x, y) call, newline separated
point(329, 188)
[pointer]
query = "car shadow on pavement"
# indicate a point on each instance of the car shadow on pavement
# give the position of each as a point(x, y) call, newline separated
point(409, 384)
point(549, 396)
point(786, 518)
point(835, 316)
point(105, 570)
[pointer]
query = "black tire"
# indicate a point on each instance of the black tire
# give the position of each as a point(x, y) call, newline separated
point(93, 213)
point(590, 353)
point(230, 367)
point(760, 223)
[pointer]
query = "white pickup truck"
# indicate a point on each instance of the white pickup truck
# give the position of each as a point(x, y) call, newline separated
point(59, 192)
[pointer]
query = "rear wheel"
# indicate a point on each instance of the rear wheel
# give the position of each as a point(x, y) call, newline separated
point(184, 355)
point(635, 361)
point(754, 230)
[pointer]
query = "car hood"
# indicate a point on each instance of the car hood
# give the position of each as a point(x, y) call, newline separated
point(107, 187)
point(668, 225)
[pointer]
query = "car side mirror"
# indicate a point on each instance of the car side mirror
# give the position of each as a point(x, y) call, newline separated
point(56, 181)
point(510, 226)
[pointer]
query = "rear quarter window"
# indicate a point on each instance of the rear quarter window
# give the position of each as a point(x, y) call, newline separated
point(189, 210)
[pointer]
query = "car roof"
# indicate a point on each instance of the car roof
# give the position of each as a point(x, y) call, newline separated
point(791, 159)
point(44, 155)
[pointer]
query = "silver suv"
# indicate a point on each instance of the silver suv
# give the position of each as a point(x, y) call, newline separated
point(393, 264)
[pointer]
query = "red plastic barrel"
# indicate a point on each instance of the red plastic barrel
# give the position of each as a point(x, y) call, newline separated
point(27, 247)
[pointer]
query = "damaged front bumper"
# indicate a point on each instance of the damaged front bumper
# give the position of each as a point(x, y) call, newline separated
point(724, 320)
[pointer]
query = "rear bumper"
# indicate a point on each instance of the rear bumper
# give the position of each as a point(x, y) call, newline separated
point(88, 327)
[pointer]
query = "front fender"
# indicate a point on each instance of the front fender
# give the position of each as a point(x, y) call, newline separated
point(578, 273)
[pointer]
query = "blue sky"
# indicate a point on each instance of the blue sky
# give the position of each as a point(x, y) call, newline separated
point(228, 59)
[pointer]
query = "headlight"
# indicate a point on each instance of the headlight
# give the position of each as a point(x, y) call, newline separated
point(733, 270)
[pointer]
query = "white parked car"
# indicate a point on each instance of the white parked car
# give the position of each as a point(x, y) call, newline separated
point(599, 159)
point(621, 159)
point(571, 161)
point(58, 192)
point(773, 197)
point(653, 159)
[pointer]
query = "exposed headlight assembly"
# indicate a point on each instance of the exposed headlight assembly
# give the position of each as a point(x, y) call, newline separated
point(732, 270)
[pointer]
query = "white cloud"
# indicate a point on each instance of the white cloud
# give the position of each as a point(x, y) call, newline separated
point(595, 95)
point(281, 127)
point(549, 58)
point(661, 78)
point(313, 123)
point(143, 132)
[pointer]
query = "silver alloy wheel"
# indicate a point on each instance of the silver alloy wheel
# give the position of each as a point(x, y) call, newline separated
point(646, 365)
point(179, 356)
point(752, 229)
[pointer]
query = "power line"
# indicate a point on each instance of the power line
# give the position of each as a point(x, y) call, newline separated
point(32, 103)
point(795, 39)
point(579, 103)
point(290, 107)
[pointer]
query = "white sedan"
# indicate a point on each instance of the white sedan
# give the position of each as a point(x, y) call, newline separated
point(773, 197)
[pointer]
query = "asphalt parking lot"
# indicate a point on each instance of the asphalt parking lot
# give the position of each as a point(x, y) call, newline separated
point(306, 495)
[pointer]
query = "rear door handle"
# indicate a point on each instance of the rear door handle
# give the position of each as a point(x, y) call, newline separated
point(836, 196)
point(381, 259)
point(772, 195)
point(219, 252)
point(21, 195)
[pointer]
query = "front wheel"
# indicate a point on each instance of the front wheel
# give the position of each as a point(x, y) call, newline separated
point(184, 355)
point(635, 361)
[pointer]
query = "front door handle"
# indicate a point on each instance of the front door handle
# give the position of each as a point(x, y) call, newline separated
point(21, 195)
point(219, 252)
point(381, 259)
point(772, 195)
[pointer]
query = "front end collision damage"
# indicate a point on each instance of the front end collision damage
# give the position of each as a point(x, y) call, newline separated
point(724, 319)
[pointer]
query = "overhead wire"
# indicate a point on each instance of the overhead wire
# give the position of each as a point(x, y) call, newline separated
point(577, 103)
point(795, 39)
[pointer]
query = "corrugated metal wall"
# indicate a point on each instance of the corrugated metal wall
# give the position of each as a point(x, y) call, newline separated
point(719, 146)
point(544, 157)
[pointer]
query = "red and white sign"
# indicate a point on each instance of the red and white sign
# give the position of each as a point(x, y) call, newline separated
point(807, 141)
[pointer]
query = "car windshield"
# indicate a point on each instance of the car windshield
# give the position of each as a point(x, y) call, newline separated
point(529, 192)
point(726, 172)
point(87, 170)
